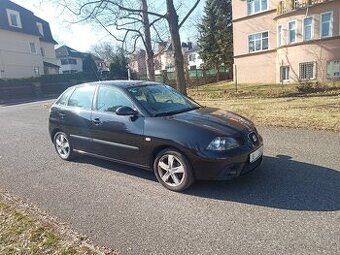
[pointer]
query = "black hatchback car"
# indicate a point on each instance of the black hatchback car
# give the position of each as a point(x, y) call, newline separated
point(153, 126)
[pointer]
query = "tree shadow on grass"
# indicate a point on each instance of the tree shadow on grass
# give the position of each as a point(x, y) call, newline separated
point(279, 182)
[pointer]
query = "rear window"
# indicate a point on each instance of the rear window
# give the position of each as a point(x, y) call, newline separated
point(82, 97)
point(63, 98)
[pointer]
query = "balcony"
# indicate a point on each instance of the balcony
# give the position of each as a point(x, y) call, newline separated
point(293, 5)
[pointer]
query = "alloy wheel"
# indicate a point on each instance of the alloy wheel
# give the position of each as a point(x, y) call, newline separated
point(62, 145)
point(171, 170)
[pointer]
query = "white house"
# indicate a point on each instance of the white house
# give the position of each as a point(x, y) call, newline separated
point(26, 43)
point(71, 60)
point(194, 59)
point(164, 58)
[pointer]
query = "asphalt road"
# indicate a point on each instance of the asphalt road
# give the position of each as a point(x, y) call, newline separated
point(289, 206)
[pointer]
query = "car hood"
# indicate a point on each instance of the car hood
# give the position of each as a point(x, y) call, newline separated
point(220, 121)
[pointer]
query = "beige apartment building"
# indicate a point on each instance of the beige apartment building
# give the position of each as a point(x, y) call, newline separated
point(26, 43)
point(286, 41)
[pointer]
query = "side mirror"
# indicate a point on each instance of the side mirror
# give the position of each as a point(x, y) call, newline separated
point(125, 111)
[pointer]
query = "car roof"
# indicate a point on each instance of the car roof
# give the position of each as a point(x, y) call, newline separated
point(122, 83)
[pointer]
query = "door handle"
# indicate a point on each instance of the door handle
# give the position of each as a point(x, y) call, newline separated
point(62, 115)
point(96, 121)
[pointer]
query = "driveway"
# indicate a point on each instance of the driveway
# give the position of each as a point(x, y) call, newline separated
point(289, 206)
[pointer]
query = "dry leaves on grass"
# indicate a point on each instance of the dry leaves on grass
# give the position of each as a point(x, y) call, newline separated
point(24, 229)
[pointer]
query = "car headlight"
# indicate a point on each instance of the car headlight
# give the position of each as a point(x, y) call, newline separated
point(223, 144)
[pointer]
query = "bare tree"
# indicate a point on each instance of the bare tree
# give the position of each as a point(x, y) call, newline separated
point(132, 21)
point(148, 46)
point(105, 51)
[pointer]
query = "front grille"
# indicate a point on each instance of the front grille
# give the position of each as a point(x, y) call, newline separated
point(253, 137)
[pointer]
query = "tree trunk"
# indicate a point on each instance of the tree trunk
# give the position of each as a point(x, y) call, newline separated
point(148, 46)
point(172, 18)
point(217, 67)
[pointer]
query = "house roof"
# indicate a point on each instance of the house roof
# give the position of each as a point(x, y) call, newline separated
point(194, 48)
point(28, 21)
point(65, 51)
point(47, 64)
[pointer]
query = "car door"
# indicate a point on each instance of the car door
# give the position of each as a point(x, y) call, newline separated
point(76, 117)
point(115, 136)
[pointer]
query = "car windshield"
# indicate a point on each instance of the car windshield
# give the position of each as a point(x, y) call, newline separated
point(162, 100)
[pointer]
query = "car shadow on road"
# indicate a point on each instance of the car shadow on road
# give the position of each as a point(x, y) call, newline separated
point(280, 182)
point(125, 169)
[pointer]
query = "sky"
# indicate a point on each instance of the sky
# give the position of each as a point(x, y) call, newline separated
point(83, 36)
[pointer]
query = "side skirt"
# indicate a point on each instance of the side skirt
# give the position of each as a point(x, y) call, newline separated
point(113, 160)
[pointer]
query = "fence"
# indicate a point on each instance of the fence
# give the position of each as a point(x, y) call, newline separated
point(39, 87)
point(194, 77)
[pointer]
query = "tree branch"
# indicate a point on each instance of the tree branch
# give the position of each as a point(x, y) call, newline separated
point(189, 13)
point(135, 10)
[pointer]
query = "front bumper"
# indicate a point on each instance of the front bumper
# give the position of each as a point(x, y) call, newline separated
point(225, 169)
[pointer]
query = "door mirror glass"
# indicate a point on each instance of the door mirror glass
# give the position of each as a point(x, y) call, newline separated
point(125, 111)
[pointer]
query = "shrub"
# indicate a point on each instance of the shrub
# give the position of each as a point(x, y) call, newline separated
point(305, 86)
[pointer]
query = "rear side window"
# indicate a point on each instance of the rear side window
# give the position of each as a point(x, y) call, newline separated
point(63, 99)
point(82, 97)
point(110, 98)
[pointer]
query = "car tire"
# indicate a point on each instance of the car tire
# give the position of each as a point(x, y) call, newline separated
point(173, 170)
point(63, 146)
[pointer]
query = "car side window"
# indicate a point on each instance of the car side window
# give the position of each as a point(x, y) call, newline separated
point(82, 97)
point(110, 98)
point(63, 99)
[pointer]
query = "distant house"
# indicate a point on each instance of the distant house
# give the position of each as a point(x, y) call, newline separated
point(194, 59)
point(71, 60)
point(164, 58)
point(137, 63)
point(26, 43)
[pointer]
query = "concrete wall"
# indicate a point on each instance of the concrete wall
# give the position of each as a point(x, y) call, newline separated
point(16, 59)
point(49, 53)
point(258, 68)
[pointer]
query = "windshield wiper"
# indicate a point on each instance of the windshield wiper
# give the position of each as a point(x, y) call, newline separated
point(176, 112)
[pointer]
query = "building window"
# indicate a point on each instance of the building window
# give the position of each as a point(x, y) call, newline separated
point(14, 18)
point(33, 49)
point(192, 57)
point(279, 36)
point(333, 70)
point(40, 28)
point(68, 61)
point(255, 6)
point(292, 31)
point(284, 73)
point(307, 71)
point(308, 29)
point(36, 70)
point(326, 24)
point(42, 52)
point(258, 42)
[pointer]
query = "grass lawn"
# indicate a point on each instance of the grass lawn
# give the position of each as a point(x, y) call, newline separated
point(275, 105)
point(24, 231)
